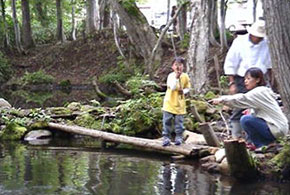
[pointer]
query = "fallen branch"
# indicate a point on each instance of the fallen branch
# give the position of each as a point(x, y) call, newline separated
point(122, 90)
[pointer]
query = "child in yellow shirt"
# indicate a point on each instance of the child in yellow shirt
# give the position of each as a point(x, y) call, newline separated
point(174, 107)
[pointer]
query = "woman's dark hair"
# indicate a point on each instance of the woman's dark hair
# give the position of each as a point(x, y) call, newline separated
point(179, 60)
point(257, 74)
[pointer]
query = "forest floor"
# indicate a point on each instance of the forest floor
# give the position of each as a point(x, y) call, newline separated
point(79, 61)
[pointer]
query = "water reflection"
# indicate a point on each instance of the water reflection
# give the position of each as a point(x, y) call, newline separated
point(74, 170)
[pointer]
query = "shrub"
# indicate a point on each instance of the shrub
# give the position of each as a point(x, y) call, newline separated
point(5, 69)
point(39, 77)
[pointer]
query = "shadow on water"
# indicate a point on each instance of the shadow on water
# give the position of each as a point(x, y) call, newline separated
point(61, 168)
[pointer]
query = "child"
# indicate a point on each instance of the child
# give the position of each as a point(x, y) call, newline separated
point(174, 107)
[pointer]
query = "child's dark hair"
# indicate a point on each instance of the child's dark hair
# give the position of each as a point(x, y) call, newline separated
point(257, 74)
point(179, 59)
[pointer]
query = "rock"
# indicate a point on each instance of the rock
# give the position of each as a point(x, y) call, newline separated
point(4, 103)
point(220, 155)
point(37, 134)
point(38, 142)
point(207, 159)
point(224, 167)
point(194, 138)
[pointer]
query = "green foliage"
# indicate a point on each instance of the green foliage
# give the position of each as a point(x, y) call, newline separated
point(184, 44)
point(39, 77)
point(224, 81)
point(283, 158)
point(130, 7)
point(140, 115)
point(138, 84)
point(121, 73)
point(39, 97)
point(5, 69)
point(13, 131)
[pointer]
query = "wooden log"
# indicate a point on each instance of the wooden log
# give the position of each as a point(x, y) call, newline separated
point(241, 164)
point(184, 149)
point(209, 135)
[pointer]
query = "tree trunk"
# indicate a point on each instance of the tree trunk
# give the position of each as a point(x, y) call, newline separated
point(104, 14)
point(197, 65)
point(59, 34)
point(168, 11)
point(139, 31)
point(209, 135)
point(187, 150)
point(40, 13)
point(26, 25)
point(73, 21)
point(213, 26)
point(182, 20)
point(240, 162)
point(91, 18)
point(223, 37)
point(277, 26)
point(16, 28)
point(6, 41)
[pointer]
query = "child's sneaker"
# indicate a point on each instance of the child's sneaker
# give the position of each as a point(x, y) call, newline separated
point(178, 141)
point(166, 142)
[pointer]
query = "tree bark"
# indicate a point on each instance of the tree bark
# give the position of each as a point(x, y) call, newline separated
point(209, 135)
point(222, 29)
point(139, 31)
point(213, 24)
point(6, 41)
point(91, 18)
point(60, 34)
point(104, 14)
point(41, 14)
point(277, 27)
point(73, 21)
point(240, 162)
point(197, 65)
point(182, 20)
point(26, 25)
point(187, 150)
point(16, 28)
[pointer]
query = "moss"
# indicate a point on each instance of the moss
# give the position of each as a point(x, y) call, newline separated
point(200, 106)
point(38, 125)
point(13, 131)
point(65, 83)
point(209, 95)
point(74, 106)
point(283, 158)
point(85, 120)
point(60, 111)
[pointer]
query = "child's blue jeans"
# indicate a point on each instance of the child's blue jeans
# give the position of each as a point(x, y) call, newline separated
point(168, 118)
point(257, 130)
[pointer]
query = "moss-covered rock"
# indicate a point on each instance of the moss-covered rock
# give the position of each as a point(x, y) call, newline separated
point(200, 106)
point(59, 111)
point(85, 120)
point(38, 125)
point(13, 131)
point(74, 106)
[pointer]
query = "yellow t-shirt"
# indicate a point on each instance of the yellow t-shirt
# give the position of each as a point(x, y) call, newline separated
point(173, 101)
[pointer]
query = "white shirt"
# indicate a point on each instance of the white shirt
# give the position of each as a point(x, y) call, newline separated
point(262, 101)
point(243, 55)
point(172, 82)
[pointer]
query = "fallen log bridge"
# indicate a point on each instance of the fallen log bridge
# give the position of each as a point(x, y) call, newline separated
point(156, 145)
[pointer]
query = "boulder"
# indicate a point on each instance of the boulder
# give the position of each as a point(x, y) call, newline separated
point(37, 134)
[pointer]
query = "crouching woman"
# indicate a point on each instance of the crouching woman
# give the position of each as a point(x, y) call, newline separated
point(266, 122)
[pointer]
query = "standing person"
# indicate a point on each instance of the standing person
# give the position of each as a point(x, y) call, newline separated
point(266, 122)
point(249, 50)
point(174, 107)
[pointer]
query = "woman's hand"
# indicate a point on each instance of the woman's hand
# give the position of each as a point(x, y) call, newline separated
point(215, 101)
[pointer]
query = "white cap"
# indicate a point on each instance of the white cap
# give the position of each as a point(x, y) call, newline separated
point(257, 29)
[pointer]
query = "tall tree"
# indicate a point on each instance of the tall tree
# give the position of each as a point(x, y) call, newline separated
point(73, 21)
point(104, 14)
point(59, 31)
point(139, 31)
point(198, 52)
point(26, 25)
point(19, 46)
point(91, 17)
point(6, 41)
point(222, 29)
point(182, 19)
point(277, 25)
point(41, 12)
